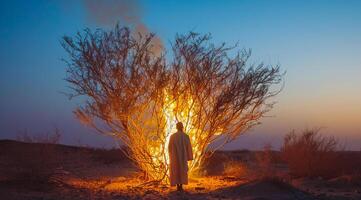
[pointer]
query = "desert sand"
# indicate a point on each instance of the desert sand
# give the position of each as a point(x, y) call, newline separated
point(38, 171)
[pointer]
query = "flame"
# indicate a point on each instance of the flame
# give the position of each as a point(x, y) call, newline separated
point(151, 141)
point(173, 111)
point(172, 117)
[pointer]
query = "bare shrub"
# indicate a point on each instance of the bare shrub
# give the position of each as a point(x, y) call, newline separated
point(223, 163)
point(137, 96)
point(311, 154)
point(46, 138)
point(265, 162)
point(37, 159)
point(213, 165)
point(235, 168)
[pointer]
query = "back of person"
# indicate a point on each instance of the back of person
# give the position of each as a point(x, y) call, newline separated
point(180, 151)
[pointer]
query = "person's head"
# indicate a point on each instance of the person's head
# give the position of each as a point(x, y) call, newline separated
point(179, 126)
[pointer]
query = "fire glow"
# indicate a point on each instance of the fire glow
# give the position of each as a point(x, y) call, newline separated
point(172, 113)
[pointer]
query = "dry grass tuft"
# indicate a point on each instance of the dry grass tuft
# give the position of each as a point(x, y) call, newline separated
point(310, 154)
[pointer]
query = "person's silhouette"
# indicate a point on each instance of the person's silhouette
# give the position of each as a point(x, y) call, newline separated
point(180, 151)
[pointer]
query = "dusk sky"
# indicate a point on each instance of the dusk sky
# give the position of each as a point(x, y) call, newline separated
point(318, 44)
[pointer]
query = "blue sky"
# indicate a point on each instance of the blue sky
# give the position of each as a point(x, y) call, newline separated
point(318, 43)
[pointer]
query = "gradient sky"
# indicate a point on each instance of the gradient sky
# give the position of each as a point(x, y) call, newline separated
point(318, 43)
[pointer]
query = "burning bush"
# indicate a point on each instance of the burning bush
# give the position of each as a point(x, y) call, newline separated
point(137, 96)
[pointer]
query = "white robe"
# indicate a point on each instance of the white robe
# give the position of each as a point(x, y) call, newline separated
point(180, 151)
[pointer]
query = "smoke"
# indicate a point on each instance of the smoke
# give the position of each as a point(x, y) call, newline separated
point(109, 12)
point(124, 12)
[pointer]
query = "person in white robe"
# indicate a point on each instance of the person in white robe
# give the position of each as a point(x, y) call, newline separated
point(180, 152)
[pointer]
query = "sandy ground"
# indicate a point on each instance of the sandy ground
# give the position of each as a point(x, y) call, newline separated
point(87, 174)
point(133, 188)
